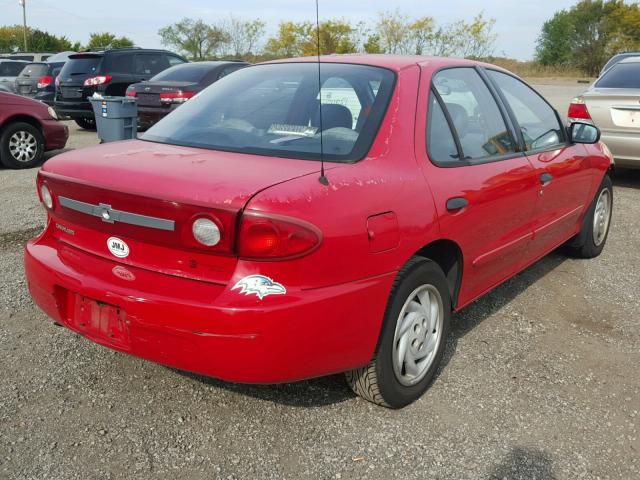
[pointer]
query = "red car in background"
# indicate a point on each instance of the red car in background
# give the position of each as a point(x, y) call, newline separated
point(28, 128)
point(268, 231)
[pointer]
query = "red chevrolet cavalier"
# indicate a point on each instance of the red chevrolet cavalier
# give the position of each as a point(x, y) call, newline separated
point(218, 244)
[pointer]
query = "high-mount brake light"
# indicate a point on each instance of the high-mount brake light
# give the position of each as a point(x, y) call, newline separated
point(97, 80)
point(265, 237)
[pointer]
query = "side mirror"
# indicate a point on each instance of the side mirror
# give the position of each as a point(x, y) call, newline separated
point(580, 132)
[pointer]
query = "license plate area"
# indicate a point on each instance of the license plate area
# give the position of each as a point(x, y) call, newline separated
point(101, 322)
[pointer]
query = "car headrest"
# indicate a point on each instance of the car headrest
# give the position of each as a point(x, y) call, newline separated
point(333, 115)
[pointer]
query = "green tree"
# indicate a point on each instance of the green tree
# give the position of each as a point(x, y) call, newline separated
point(107, 40)
point(393, 29)
point(477, 39)
point(11, 40)
point(287, 42)
point(372, 44)
point(422, 31)
point(554, 45)
point(196, 39)
point(243, 36)
point(301, 39)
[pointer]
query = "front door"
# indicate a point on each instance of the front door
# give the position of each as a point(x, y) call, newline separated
point(484, 190)
point(563, 172)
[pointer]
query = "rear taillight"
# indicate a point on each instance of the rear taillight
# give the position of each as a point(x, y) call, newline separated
point(131, 93)
point(266, 237)
point(176, 97)
point(45, 81)
point(97, 80)
point(578, 110)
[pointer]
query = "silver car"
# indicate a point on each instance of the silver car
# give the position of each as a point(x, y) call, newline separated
point(612, 103)
point(9, 71)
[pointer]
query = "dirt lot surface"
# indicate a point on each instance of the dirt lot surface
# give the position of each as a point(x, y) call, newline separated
point(540, 381)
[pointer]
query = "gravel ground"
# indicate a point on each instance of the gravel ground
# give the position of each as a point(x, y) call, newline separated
point(540, 381)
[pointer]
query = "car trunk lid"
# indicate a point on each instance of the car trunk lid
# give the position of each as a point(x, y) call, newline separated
point(614, 110)
point(165, 183)
point(148, 93)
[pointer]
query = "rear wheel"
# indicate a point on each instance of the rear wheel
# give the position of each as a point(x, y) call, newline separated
point(21, 145)
point(88, 123)
point(595, 227)
point(412, 340)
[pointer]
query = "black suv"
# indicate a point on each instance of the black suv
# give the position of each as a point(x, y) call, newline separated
point(107, 72)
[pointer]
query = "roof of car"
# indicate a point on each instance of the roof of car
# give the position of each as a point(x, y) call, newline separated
point(635, 59)
point(98, 52)
point(393, 62)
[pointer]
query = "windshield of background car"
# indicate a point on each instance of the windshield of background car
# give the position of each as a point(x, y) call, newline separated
point(35, 70)
point(188, 72)
point(82, 65)
point(621, 75)
point(274, 109)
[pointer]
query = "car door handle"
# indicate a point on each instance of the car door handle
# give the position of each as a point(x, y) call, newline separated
point(545, 179)
point(456, 203)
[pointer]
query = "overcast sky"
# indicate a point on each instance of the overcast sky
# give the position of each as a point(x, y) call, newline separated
point(517, 22)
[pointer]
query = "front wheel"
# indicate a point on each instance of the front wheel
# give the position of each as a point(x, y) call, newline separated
point(21, 146)
point(88, 123)
point(413, 337)
point(595, 227)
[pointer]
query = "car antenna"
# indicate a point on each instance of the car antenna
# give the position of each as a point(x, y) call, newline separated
point(323, 179)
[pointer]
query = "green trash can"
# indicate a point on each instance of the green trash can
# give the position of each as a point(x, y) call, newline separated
point(116, 118)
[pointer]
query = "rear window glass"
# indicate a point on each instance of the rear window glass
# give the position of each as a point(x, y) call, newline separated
point(35, 70)
point(82, 66)
point(188, 72)
point(11, 69)
point(274, 110)
point(621, 75)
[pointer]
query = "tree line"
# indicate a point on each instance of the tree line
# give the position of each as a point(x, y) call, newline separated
point(589, 33)
point(392, 32)
point(12, 40)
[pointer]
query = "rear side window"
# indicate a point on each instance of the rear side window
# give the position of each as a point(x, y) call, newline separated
point(119, 64)
point(34, 70)
point(188, 72)
point(477, 120)
point(621, 75)
point(537, 120)
point(82, 66)
point(150, 63)
point(173, 60)
point(11, 69)
point(440, 143)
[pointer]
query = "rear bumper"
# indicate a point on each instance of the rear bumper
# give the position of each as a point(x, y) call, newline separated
point(56, 134)
point(151, 115)
point(209, 329)
point(625, 148)
point(74, 109)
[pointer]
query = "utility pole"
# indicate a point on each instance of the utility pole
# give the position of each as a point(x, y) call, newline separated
point(24, 22)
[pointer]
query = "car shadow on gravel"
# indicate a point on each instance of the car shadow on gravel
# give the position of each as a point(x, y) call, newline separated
point(626, 178)
point(471, 316)
point(316, 392)
point(524, 464)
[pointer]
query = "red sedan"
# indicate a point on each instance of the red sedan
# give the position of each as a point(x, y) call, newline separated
point(268, 231)
point(28, 128)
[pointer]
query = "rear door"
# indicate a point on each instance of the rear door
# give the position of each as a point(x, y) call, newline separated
point(484, 189)
point(563, 171)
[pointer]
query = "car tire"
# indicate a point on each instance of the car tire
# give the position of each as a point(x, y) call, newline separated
point(21, 145)
point(86, 123)
point(395, 379)
point(595, 226)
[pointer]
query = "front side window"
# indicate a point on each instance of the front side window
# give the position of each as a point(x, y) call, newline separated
point(475, 115)
point(273, 109)
point(150, 64)
point(538, 122)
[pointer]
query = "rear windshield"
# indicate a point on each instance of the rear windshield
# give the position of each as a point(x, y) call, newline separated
point(621, 75)
point(11, 69)
point(82, 66)
point(35, 70)
point(188, 72)
point(274, 109)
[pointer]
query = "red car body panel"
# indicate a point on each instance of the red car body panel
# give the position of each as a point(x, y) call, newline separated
point(18, 108)
point(179, 305)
